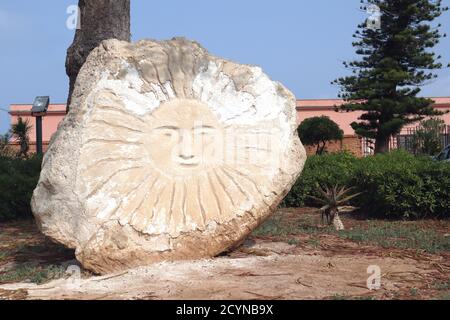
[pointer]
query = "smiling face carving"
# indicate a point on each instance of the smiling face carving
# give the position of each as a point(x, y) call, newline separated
point(186, 133)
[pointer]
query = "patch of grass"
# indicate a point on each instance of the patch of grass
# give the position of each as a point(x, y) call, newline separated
point(310, 229)
point(398, 235)
point(293, 242)
point(20, 273)
point(314, 242)
point(414, 292)
point(386, 234)
point(3, 255)
point(442, 285)
point(444, 296)
point(33, 273)
point(345, 297)
point(275, 227)
point(48, 273)
point(338, 296)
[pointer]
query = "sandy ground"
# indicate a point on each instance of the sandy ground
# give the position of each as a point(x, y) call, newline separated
point(259, 270)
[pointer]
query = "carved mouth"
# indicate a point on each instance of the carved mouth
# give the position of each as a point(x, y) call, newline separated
point(189, 164)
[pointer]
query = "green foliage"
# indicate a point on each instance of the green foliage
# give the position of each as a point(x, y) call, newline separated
point(274, 227)
point(5, 149)
point(33, 272)
point(317, 131)
point(21, 132)
point(427, 140)
point(442, 285)
point(386, 234)
point(324, 170)
point(3, 255)
point(343, 297)
point(18, 178)
point(333, 201)
point(397, 235)
point(396, 60)
point(395, 185)
point(401, 185)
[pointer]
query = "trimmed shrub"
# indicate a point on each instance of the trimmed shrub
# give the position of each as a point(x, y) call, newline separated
point(394, 185)
point(399, 185)
point(18, 178)
point(317, 131)
point(332, 169)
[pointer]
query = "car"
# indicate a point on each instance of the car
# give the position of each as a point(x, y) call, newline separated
point(444, 155)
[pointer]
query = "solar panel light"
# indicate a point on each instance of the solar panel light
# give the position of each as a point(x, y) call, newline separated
point(40, 106)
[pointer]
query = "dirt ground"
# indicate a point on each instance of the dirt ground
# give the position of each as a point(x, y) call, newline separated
point(275, 263)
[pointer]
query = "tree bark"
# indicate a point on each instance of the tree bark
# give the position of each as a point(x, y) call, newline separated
point(382, 144)
point(321, 148)
point(99, 20)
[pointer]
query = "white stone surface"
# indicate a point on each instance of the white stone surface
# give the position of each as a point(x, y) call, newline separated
point(167, 153)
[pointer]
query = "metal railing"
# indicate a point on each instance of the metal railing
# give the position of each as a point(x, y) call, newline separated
point(405, 140)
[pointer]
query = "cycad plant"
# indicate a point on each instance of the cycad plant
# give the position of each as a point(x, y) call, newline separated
point(334, 200)
point(20, 131)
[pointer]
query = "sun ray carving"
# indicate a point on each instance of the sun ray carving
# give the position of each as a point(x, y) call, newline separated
point(168, 172)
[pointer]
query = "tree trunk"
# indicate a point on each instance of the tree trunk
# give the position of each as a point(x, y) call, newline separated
point(337, 222)
point(99, 20)
point(382, 144)
point(321, 148)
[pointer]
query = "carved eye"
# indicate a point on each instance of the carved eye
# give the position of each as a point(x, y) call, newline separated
point(168, 132)
point(204, 131)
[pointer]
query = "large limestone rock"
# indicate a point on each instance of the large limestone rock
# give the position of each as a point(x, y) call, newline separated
point(167, 153)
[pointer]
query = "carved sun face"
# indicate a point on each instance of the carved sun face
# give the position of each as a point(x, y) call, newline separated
point(174, 170)
point(186, 134)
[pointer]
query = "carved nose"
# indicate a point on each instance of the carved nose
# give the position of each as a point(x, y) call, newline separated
point(186, 146)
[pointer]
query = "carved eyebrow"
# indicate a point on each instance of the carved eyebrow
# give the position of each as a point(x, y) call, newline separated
point(168, 128)
point(203, 127)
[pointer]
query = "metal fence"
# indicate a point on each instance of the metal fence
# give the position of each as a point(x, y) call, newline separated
point(405, 140)
point(368, 147)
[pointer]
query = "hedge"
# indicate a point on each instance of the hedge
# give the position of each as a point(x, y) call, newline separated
point(18, 178)
point(394, 185)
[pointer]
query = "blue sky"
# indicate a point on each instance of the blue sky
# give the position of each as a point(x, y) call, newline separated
point(300, 43)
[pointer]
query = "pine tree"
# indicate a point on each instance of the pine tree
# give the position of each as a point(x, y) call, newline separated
point(396, 60)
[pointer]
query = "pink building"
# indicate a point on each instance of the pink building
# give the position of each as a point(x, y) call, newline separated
point(353, 143)
point(305, 109)
point(55, 114)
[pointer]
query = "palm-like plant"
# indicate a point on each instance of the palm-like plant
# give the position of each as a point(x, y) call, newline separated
point(20, 131)
point(5, 150)
point(334, 200)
